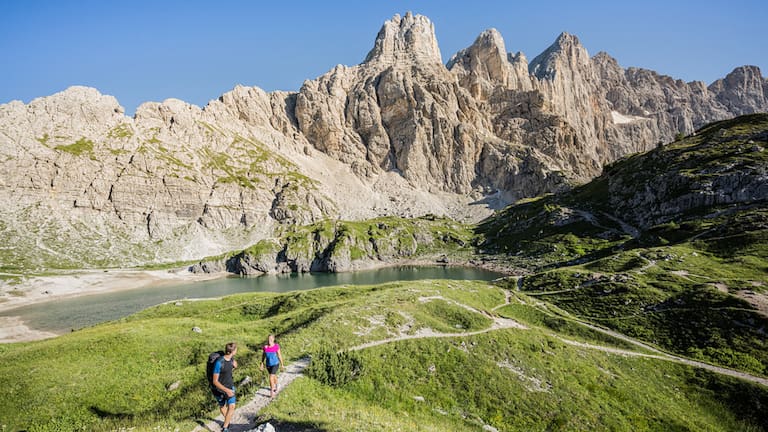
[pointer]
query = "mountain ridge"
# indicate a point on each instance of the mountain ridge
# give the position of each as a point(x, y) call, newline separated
point(402, 131)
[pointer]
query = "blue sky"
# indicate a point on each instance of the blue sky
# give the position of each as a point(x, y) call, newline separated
point(195, 50)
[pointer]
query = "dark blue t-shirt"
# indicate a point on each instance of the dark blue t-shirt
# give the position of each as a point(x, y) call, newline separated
point(224, 369)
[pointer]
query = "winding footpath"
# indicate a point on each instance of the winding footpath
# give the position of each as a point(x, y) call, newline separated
point(245, 416)
point(660, 355)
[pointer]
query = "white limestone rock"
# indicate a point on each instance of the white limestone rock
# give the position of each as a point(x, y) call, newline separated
point(399, 134)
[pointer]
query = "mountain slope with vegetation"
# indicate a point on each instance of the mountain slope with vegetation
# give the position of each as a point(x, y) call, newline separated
point(528, 377)
point(670, 246)
point(339, 246)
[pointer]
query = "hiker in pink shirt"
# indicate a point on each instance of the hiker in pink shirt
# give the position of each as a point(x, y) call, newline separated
point(273, 360)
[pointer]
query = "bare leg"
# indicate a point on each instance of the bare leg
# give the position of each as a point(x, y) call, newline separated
point(273, 384)
point(228, 412)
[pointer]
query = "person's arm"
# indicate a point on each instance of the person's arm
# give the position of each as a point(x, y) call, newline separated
point(280, 356)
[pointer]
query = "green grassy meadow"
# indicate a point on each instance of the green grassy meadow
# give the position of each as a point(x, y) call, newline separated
point(116, 375)
point(675, 272)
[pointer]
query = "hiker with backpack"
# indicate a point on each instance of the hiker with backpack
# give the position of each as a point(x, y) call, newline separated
point(221, 379)
point(273, 360)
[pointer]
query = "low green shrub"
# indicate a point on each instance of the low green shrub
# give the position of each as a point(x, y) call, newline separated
point(335, 368)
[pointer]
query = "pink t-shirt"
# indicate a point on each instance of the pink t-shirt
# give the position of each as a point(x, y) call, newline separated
point(271, 353)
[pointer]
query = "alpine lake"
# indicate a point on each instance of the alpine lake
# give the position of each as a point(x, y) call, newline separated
point(62, 316)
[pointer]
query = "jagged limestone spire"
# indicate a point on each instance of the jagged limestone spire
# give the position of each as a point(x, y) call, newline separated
point(486, 63)
point(409, 39)
point(565, 53)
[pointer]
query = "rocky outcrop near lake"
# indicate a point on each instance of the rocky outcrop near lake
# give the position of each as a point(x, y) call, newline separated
point(342, 246)
point(403, 133)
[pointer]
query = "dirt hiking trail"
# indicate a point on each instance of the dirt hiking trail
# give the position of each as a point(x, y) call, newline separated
point(246, 416)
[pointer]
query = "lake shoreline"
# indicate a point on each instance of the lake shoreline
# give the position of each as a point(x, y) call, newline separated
point(42, 289)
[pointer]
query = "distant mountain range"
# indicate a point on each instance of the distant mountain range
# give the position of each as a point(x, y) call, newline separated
point(401, 134)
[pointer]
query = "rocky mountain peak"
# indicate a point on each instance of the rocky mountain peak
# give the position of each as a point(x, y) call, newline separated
point(608, 68)
point(565, 53)
point(518, 57)
point(744, 77)
point(486, 64)
point(486, 52)
point(78, 108)
point(76, 98)
point(492, 39)
point(408, 39)
point(566, 39)
point(400, 134)
point(603, 58)
point(485, 59)
point(743, 91)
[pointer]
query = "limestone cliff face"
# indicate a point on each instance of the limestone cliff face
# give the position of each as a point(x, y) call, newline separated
point(742, 91)
point(173, 182)
point(337, 246)
point(724, 167)
point(405, 113)
point(399, 134)
point(406, 39)
point(401, 110)
point(486, 65)
point(649, 108)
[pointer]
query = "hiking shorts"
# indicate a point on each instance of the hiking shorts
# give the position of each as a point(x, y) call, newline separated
point(273, 369)
point(222, 398)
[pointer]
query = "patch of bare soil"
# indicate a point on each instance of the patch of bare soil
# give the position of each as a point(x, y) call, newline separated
point(758, 300)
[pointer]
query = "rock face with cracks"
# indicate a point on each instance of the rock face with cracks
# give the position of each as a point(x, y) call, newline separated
point(400, 134)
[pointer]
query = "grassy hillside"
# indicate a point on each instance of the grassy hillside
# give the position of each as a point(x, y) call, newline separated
point(670, 246)
point(117, 375)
